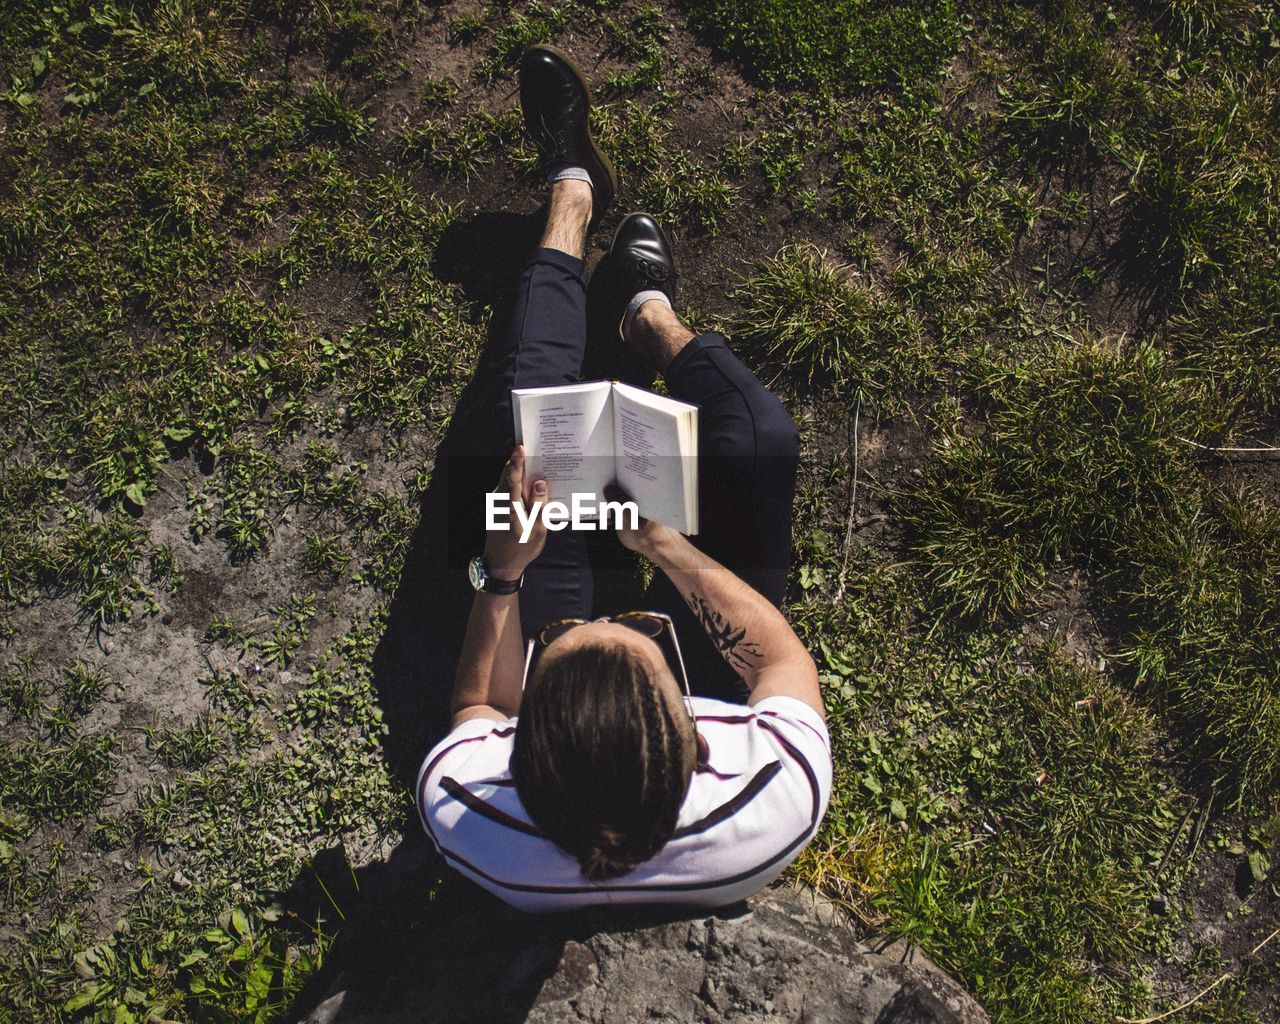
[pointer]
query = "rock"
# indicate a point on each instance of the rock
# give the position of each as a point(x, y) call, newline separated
point(784, 956)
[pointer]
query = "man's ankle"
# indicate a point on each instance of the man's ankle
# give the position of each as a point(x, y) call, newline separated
point(572, 191)
point(568, 215)
point(657, 333)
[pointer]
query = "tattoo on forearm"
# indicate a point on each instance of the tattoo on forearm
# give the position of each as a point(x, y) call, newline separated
point(730, 640)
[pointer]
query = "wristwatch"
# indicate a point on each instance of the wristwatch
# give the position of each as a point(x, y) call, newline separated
point(478, 573)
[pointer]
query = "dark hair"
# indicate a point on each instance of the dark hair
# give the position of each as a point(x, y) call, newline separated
point(599, 758)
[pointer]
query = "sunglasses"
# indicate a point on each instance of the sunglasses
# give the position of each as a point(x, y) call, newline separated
point(650, 624)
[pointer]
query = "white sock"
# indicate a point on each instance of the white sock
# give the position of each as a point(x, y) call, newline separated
point(568, 172)
point(633, 307)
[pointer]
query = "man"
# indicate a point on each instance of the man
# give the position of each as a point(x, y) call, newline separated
point(595, 776)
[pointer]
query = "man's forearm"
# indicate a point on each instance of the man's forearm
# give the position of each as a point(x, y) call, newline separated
point(492, 658)
point(748, 631)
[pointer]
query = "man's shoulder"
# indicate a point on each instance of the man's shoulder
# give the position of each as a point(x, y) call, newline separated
point(775, 716)
point(470, 750)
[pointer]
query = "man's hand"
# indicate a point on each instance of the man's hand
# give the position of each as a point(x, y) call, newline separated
point(504, 555)
point(648, 535)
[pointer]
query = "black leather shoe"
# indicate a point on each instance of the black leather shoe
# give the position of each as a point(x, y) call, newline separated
point(643, 260)
point(555, 99)
point(639, 260)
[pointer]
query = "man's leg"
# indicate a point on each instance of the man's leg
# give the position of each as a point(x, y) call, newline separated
point(537, 340)
point(547, 336)
point(747, 459)
point(544, 338)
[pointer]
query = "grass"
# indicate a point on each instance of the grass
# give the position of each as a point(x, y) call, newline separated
point(1202, 201)
point(842, 46)
point(829, 327)
point(1199, 592)
point(1019, 846)
point(1079, 449)
point(1074, 105)
point(1084, 459)
point(1004, 267)
point(57, 782)
point(685, 192)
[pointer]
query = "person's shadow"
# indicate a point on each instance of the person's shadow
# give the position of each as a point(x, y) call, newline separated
point(463, 957)
point(415, 659)
point(380, 911)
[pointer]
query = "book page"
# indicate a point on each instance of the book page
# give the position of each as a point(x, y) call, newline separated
point(567, 432)
point(651, 437)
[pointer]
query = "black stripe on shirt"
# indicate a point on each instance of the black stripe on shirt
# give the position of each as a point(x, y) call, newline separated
point(722, 813)
point(486, 810)
point(732, 806)
point(426, 774)
point(824, 740)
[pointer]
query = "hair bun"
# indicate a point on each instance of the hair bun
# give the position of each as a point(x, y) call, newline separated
point(609, 838)
point(607, 856)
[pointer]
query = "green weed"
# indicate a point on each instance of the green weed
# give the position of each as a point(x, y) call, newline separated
point(20, 689)
point(190, 746)
point(56, 783)
point(1202, 193)
point(1198, 587)
point(325, 555)
point(846, 46)
point(1077, 100)
point(248, 967)
point(100, 561)
point(537, 23)
point(1224, 339)
point(684, 192)
point(635, 134)
point(466, 28)
point(82, 688)
point(1084, 459)
point(642, 43)
point(1079, 448)
point(323, 114)
point(289, 632)
point(645, 34)
point(824, 325)
point(947, 196)
point(152, 820)
point(164, 568)
point(997, 806)
point(461, 146)
point(438, 92)
point(388, 525)
point(250, 962)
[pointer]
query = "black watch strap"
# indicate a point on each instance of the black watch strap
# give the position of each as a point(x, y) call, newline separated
point(496, 586)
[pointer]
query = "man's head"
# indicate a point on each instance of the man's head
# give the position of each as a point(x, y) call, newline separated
point(605, 748)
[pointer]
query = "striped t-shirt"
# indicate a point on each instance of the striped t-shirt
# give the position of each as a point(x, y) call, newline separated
point(748, 813)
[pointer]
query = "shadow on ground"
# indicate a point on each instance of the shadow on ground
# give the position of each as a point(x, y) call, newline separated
point(464, 956)
point(385, 910)
point(416, 657)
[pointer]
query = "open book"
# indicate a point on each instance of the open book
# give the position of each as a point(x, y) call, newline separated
point(582, 437)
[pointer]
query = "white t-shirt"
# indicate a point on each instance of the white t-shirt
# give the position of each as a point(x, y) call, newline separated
point(747, 814)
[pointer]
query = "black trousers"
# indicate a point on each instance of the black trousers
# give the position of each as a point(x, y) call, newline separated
point(747, 458)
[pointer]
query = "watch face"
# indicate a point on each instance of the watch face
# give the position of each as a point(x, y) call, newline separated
point(475, 572)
